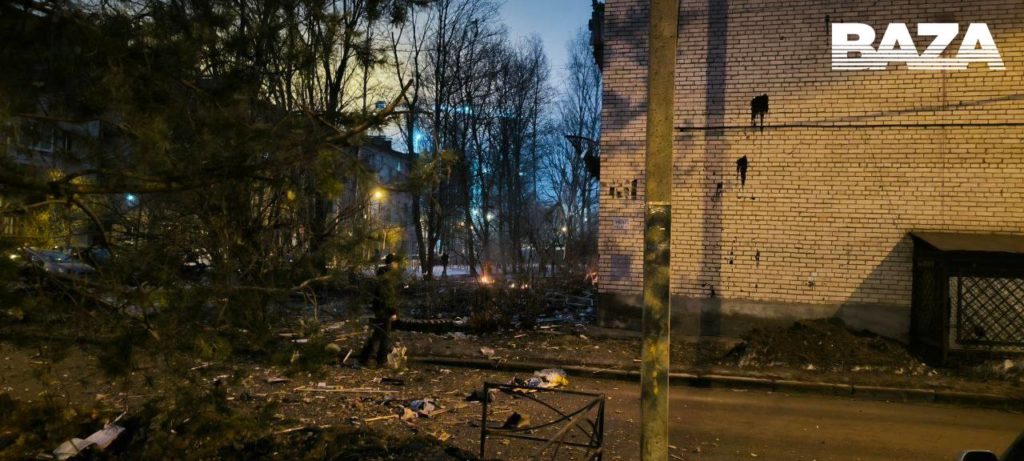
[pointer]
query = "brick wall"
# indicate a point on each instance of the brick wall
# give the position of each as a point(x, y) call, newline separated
point(823, 216)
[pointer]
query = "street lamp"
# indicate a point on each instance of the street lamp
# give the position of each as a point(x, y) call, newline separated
point(379, 196)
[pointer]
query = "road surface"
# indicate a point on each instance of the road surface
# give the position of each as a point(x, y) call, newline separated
point(722, 425)
point(725, 425)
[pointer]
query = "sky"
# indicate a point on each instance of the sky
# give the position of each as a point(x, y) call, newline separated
point(555, 21)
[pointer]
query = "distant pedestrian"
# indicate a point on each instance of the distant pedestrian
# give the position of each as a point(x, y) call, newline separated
point(385, 313)
point(444, 264)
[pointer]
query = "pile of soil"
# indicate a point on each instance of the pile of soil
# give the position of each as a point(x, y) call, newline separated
point(826, 345)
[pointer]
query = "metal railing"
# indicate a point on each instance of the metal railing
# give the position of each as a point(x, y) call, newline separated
point(579, 428)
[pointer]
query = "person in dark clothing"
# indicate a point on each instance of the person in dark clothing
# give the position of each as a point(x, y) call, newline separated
point(385, 312)
point(444, 264)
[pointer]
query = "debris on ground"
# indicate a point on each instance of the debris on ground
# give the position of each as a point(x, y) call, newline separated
point(826, 345)
point(424, 407)
point(323, 387)
point(408, 414)
point(397, 359)
point(381, 418)
point(99, 440)
point(487, 352)
point(391, 381)
point(516, 421)
point(479, 396)
point(442, 436)
point(550, 378)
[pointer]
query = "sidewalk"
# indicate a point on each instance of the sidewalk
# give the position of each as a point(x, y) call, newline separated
point(884, 372)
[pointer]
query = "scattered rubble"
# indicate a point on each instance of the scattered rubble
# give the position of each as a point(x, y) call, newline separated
point(99, 440)
point(826, 345)
point(516, 421)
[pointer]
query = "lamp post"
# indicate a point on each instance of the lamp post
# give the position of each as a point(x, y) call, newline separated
point(379, 197)
point(662, 41)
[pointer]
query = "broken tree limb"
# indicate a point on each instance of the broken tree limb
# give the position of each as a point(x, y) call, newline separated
point(341, 390)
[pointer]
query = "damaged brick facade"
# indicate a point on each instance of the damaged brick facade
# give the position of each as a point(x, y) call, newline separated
point(809, 215)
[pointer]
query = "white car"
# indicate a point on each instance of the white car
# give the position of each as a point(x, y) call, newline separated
point(56, 262)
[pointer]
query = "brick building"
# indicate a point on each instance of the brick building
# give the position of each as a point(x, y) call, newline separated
point(810, 216)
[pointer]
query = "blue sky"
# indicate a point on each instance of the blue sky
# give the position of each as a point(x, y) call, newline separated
point(555, 21)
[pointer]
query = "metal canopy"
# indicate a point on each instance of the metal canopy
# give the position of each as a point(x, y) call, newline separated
point(987, 243)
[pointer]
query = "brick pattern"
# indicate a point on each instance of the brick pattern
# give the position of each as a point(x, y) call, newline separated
point(824, 213)
point(623, 142)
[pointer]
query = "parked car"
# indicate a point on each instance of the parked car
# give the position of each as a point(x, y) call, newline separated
point(95, 256)
point(57, 262)
point(1014, 453)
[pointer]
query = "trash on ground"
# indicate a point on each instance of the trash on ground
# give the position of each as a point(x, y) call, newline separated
point(550, 378)
point(408, 414)
point(425, 407)
point(478, 396)
point(100, 439)
point(397, 358)
point(516, 421)
point(321, 387)
point(380, 418)
point(487, 351)
point(277, 380)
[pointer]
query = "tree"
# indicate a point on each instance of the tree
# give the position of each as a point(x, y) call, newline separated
point(574, 187)
point(215, 134)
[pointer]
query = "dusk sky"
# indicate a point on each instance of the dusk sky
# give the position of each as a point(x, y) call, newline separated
point(555, 21)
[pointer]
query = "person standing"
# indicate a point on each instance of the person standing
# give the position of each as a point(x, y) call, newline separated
point(444, 264)
point(385, 313)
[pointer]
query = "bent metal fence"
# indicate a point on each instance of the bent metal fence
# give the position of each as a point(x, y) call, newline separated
point(573, 430)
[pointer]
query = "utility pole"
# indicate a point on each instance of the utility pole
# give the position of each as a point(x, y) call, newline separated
point(662, 37)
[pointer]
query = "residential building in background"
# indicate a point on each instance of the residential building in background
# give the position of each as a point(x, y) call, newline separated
point(390, 204)
point(812, 212)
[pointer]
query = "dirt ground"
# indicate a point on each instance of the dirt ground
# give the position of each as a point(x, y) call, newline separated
point(817, 350)
point(283, 406)
point(364, 399)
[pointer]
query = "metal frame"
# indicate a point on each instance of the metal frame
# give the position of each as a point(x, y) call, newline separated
point(943, 282)
point(982, 299)
point(578, 419)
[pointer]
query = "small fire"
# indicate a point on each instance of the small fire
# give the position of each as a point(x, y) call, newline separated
point(486, 279)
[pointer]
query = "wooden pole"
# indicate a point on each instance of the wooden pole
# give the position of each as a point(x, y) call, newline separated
point(662, 41)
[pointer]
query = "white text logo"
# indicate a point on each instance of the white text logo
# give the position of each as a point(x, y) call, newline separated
point(852, 47)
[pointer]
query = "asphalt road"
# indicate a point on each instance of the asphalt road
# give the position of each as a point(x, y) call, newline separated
point(721, 425)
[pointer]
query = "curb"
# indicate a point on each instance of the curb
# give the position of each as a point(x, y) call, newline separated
point(701, 380)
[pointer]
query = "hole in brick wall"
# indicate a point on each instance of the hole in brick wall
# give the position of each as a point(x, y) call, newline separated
point(741, 169)
point(634, 189)
point(758, 109)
